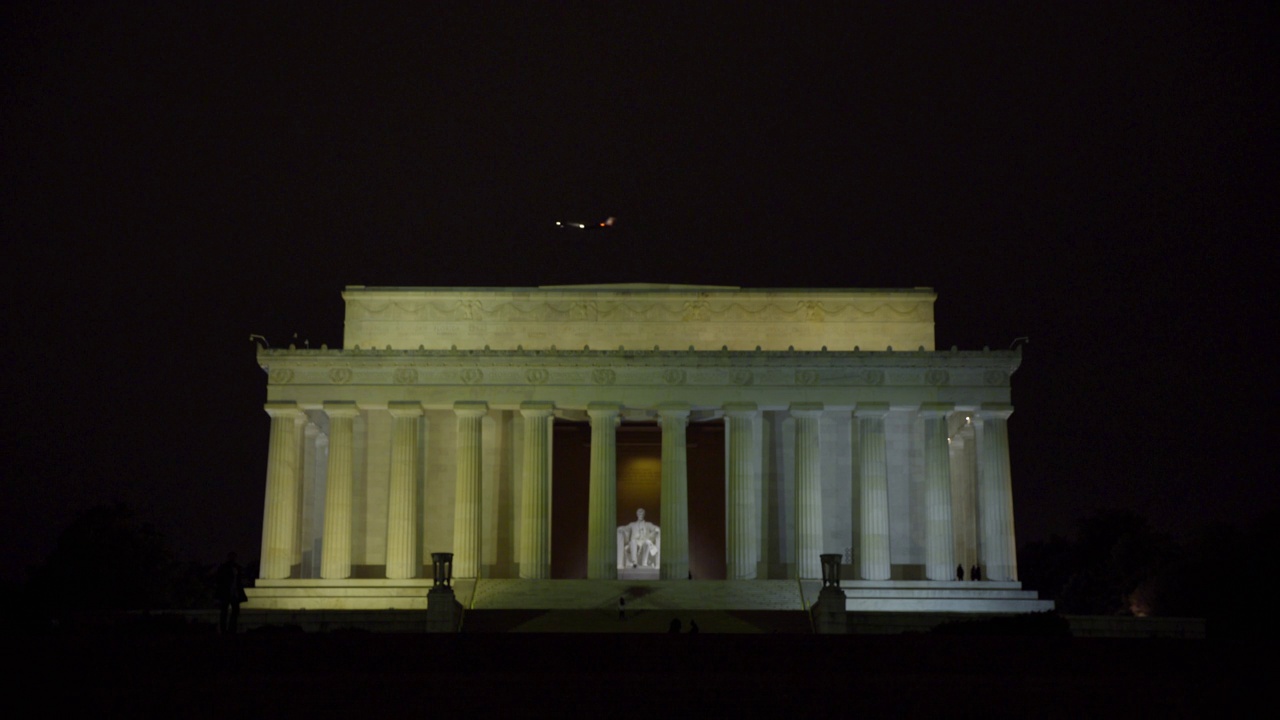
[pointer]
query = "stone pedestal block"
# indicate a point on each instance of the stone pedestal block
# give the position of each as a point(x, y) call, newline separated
point(444, 612)
point(829, 615)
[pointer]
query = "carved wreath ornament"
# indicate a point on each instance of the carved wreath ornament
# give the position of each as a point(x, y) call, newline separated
point(340, 375)
point(936, 377)
point(603, 376)
point(406, 376)
point(673, 377)
point(471, 376)
point(281, 376)
point(536, 376)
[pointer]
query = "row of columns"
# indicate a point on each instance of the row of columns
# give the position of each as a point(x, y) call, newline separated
point(743, 525)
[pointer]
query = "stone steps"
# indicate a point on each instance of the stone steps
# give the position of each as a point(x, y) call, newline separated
point(642, 595)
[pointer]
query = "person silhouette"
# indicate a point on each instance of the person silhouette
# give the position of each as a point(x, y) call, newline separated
point(229, 591)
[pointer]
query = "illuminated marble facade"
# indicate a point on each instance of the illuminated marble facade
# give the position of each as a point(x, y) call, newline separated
point(430, 430)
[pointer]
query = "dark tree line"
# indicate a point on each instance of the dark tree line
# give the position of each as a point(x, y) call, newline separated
point(1116, 564)
point(108, 559)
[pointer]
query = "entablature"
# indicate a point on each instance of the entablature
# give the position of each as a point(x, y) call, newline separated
point(576, 377)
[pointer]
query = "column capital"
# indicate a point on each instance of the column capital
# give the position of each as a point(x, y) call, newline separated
point(470, 408)
point(284, 409)
point(741, 409)
point(936, 410)
point(341, 409)
point(673, 409)
point(537, 408)
point(603, 410)
point(994, 411)
point(404, 409)
point(673, 416)
point(871, 410)
point(806, 409)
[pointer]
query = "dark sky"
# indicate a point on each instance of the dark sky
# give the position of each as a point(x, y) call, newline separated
point(176, 177)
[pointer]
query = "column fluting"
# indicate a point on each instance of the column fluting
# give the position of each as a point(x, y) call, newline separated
point(466, 507)
point(535, 492)
point(808, 469)
point(402, 492)
point(964, 494)
point(602, 507)
point(280, 508)
point(335, 557)
point(743, 522)
point(674, 559)
point(873, 531)
point(939, 550)
point(995, 493)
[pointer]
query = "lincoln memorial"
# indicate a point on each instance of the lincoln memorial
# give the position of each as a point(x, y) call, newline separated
point(566, 443)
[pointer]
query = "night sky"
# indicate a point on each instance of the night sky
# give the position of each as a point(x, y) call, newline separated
point(179, 176)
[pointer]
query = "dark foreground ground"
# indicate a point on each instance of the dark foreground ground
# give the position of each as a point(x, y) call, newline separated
point(365, 675)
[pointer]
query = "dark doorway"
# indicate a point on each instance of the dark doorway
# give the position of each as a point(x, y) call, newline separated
point(570, 489)
point(706, 500)
point(639, 485)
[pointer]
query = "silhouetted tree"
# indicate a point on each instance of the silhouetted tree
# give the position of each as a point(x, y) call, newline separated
point(1114, 566)
point(109, 560)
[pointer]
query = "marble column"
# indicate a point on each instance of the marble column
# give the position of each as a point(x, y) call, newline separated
point(602, 501)
point(335, 558)
point(808, 457)
point(743, 523)
point(964, 503)
point(402, 492)
point(995, 493)
point(874, 560)
point(280, 509)
point(674, 560)
point(466, 507)
point(939, 544)
point(535, 492)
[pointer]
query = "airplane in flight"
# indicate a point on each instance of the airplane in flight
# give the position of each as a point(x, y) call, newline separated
point(608, 222)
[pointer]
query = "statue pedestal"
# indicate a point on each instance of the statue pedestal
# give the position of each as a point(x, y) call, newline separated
point(444, 612)
point(637, 573)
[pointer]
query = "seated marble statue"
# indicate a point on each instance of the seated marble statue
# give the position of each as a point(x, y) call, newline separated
point(639, 543)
